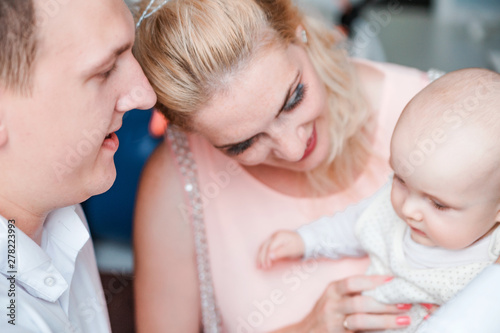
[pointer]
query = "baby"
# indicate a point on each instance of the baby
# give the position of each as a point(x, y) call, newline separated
point(434, 225)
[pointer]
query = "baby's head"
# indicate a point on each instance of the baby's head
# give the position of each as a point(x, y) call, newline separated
point(445, 152)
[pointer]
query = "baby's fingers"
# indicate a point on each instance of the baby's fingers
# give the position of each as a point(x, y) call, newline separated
point(282, 244)
point(263, 254)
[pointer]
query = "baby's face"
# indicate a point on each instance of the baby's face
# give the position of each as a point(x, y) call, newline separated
point(445, 186)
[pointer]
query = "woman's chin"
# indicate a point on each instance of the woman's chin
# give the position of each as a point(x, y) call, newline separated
point(313, 161)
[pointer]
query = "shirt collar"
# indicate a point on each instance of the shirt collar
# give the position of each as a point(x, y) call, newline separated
point(38, 269)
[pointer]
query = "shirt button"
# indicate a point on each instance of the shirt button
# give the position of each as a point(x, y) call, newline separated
point(49, 281)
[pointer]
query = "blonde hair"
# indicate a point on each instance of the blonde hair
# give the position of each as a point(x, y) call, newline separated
point(190, 49)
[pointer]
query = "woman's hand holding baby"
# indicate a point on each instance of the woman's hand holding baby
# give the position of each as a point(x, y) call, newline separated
point(342, 305)
point(343, 309)
point(283, 244)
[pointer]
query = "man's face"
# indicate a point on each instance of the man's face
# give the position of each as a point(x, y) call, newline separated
point(60, 140)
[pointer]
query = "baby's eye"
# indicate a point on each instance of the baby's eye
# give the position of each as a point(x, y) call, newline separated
point(399, 180)
point(439, 206)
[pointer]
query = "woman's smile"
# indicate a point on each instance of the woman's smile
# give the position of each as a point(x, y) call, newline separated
point(311, 143)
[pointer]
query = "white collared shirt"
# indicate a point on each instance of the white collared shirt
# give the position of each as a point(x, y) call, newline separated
point(57, 285)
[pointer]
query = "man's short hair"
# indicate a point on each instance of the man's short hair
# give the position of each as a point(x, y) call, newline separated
point(17, 44)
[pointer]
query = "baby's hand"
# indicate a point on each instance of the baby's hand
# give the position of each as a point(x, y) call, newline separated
point(282, 244)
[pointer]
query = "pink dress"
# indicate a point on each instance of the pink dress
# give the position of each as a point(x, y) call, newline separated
point(239, 212)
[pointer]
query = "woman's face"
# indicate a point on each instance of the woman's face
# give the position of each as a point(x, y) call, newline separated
point(274, 112)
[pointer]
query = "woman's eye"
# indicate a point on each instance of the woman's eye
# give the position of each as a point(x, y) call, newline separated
point(240, 147)
point(293, 102)
point(296, 98)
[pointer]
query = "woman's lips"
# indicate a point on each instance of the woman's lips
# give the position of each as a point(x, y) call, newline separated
point(311, 144)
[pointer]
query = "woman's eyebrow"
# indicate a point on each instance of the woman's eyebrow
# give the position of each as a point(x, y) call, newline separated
point(287, 95)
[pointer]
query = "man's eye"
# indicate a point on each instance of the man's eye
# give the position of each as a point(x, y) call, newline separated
point(296, 98)
point(108, 73)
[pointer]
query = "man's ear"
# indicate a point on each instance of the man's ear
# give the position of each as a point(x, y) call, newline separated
point(3, 133)
point(3, 127)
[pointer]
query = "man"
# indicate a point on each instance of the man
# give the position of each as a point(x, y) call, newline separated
point(67, 76)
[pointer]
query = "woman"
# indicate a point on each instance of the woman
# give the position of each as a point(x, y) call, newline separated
point(281, 129)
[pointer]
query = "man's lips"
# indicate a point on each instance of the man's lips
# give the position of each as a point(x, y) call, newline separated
point(311, 144)
point(111, 141)
point(112, 133)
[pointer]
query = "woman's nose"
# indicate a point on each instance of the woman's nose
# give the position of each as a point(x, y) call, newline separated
point(291, 146)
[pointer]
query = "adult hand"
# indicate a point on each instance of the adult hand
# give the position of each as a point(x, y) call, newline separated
point(342, 308)
point(431, 308)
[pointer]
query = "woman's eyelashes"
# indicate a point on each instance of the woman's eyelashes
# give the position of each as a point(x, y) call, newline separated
point(240, 147)
point(292, 103)
point(296, 98)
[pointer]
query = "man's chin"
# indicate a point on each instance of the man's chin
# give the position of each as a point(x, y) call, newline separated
point(104, 184)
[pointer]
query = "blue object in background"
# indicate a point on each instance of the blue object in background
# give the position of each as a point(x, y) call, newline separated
point(110, 214)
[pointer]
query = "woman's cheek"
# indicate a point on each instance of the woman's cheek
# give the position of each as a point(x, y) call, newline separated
point(250, 157)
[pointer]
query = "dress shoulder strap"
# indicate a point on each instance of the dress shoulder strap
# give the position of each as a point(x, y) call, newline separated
point(211, 319)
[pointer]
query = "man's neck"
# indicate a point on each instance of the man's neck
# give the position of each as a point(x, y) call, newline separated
point(27, 221)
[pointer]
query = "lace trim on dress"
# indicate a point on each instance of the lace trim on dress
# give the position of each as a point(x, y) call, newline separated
point(211, 319)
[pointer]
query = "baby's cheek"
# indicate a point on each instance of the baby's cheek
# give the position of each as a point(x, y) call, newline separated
point(396, 201)
point(453, 240)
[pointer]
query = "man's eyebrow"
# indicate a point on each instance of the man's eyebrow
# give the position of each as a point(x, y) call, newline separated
point(287, 95)
point(112, 56)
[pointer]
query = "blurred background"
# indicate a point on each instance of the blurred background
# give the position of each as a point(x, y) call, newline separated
point(441, 34)
point(427, 34)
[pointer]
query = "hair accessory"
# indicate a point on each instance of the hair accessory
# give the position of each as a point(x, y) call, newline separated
point(145, 14)
point(304, 36)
